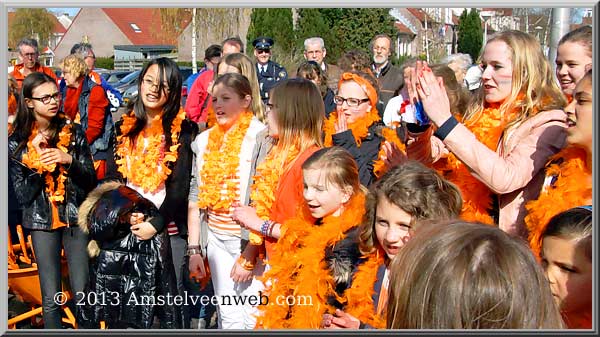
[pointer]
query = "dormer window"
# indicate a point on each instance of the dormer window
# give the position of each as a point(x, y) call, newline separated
point(135, 28)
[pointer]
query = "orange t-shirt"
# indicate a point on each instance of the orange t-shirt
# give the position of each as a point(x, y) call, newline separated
point(289, 195)
point(18, 75)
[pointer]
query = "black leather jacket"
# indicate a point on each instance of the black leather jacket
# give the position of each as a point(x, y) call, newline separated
point(29, 185)
point(133, 280)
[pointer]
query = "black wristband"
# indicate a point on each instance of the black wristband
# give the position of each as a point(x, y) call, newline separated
point(444, 129)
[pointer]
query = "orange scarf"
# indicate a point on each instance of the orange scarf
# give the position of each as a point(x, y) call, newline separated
point(221, 162)
point(299, 269)
point(572, 188)
point(138, 163)
point(359, 296)
point(55, 191)
point(359, 130)
point(477, 197)
point(266, 182)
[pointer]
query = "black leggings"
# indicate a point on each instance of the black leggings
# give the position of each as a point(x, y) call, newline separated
point(47, 246)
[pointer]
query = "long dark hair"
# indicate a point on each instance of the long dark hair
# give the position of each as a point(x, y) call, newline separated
point(169, 69)
point(25, 116)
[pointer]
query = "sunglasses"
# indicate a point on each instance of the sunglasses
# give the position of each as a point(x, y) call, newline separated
point(263, 51)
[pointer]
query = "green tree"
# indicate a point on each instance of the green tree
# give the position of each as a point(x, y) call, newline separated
point(276, 23)
point(470, 33)
point(34, 23)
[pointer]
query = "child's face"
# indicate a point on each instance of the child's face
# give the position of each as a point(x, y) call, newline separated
point(42, 92)
point(323, 198)
point(392, 226)
point(151, 97)
point(571, 61)
point(569, 271)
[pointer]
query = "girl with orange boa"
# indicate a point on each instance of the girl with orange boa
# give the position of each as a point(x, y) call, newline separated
point(511, 127)
point(153, 156)
point(314, 259)
point(51, 171)
point(221, 173)
point(407, 194)
point(357, 127)
point(568, 180)
point(294, 120)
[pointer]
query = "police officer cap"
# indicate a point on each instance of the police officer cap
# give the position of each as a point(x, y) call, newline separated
point(263, 42)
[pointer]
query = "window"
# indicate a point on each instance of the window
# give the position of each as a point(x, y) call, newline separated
point(135, 28)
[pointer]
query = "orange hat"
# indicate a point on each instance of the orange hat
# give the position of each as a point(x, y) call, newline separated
point(364, 84)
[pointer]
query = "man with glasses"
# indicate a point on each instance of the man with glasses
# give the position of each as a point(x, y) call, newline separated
point(268, 72)
point(314, 50)
point(29, 58)
point(389, 78)
point(85, 51)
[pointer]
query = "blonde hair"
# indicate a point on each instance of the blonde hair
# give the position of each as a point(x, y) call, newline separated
point(462, 275)
point(534, 88)
point(75, 65)
point(300, 114)
point(246, 68)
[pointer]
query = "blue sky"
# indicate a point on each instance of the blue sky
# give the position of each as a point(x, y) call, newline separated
point(70, 11)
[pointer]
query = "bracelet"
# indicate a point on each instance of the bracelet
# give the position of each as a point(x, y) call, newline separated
point(249, 266)
point(264, 228)
point(271, 228)
point(193, 251)
point(444, 129)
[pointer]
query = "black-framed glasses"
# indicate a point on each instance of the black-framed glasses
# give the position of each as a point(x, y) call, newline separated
point(352, 102)
point(29, 55)
point(46, 99)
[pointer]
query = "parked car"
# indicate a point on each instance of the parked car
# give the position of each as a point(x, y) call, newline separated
point(115, 76)
point(125, 83)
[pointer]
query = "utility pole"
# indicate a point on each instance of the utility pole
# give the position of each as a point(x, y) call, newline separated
point(194, 65)
point(560, 26)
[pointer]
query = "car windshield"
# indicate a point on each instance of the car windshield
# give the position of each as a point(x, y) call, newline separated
point(130, 77)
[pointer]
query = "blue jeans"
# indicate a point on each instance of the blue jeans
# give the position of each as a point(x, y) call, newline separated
point(47, 246)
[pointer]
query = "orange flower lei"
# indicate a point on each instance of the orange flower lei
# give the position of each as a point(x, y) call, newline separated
point(359, 295)
point(138, 163)
point(56, 192)
point(572, 188)
point(359, 130)
point(477, 197)
point(266, 182)
point(221, 162)
point(299, 268)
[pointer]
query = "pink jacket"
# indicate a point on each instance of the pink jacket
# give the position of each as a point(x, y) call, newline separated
point(514, 171)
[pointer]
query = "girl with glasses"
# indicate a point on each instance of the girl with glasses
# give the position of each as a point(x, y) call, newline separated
point(52, 171)
point(357, 127)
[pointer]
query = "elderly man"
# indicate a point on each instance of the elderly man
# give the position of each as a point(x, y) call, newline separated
point(268, 72)
point(232, 45)
point(314, 50)
point(29, 58)
point(389, 78)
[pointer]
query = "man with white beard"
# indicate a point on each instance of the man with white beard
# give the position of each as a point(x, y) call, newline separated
point(389, 78)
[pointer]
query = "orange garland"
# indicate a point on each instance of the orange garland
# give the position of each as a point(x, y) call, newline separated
point(572, 188)
point(266, 182)
point(360, 129)
point(56, 192)
point(477, 197)
point(359, 295)
point(298, 268)
point(138, 163)
point(221, 162)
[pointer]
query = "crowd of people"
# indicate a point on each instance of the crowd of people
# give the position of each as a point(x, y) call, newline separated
point(356, 196)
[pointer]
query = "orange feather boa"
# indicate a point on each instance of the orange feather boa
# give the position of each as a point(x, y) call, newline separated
point(572, 188)
point(299, 269)
point(477, 197)
point(360, 295)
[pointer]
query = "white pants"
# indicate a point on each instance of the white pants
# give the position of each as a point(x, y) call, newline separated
point(222, 252)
